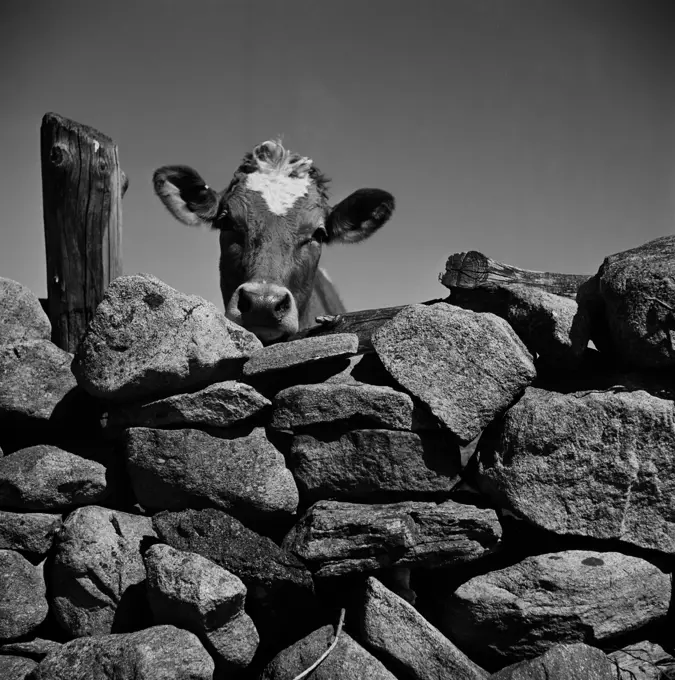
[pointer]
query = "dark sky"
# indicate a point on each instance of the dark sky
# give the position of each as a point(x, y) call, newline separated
point(540, 132)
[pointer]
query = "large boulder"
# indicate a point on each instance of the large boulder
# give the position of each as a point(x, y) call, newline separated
point(465, 367)
point(16, 667)
point(21, 315)
point(597, 463)
point(521, 611)
point(29, 532)
point(642, 661)
point(148, 340)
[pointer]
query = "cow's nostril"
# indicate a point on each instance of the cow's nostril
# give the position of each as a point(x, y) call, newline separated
point(283, 305)
point(244, 302)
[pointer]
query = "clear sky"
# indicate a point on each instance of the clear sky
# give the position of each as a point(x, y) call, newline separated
point(540, 132)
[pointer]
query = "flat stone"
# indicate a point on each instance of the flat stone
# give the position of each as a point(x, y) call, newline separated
point(562, 662)
point(376, 466)
point(21, 315)
point(466, 368)
point(148, 340)
point(335, 538)
point(407, 642)
point(157, 653)
point(347, 661)
point(45, 477)
point(98, 571)
point(642, 661)
point(33, 649)
point(222, 404)
point(596, 463)
point(177, 469)
point(307, 351)
point(521, 611)
point(23, 601)
point(356, 405)
point(16, 667)
point(29, 532)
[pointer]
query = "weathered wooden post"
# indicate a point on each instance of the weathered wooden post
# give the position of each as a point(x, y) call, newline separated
point(82, 188)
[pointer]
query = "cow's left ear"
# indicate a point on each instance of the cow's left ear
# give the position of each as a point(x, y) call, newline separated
point(359, 215)
point(186, 195)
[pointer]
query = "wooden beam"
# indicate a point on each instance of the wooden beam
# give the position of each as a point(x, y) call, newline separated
point(82, 187)
point(475, 270)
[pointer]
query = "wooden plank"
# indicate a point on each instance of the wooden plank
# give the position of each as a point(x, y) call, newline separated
point(475, 270)
point(82, 187)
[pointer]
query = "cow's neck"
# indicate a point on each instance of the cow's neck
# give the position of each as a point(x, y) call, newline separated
point(324, 300)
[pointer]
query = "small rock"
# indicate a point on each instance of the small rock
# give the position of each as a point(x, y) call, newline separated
point(340, 538)
point(31, 532)
point(642, 661)
point(47, 478)
point(376, 466)
point(148, 340)
point(21, 315)
point(158, 653)
point(23, 601)
point(465, 367)
point(177, 469)
point(409, 644)
point(98, 571)
point(34, 649)
point(347, 661)
point(521, 611)
point(16, 667)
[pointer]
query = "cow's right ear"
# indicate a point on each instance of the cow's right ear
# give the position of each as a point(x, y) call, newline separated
point(188, 198)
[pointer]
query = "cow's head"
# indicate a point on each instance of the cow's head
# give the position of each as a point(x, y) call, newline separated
point(273, 219)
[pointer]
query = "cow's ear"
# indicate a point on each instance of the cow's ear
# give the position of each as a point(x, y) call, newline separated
point(186, 195)
point(359, 215)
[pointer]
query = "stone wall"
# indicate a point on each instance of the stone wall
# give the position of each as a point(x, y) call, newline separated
point(482, 493)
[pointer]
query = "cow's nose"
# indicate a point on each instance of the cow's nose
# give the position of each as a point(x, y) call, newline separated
point(263, 304)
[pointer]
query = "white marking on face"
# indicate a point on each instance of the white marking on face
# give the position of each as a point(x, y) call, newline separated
point(279, 191)
point(96, 145)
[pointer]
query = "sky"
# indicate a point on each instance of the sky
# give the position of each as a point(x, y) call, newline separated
point(539, 132)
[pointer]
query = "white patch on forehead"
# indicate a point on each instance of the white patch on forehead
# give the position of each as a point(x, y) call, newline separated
point(279, 190)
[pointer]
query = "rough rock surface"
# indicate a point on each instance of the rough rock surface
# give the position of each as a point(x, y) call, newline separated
point(45, 477)
point(35, 379)
point(222, 404)
point(347, 661)
point(37, 648)
point(336, 538)
point(16, 667)
point(288, 355)
point(158, 653)
point(376, 466)
point(21, 315)
point(177, 469)
point(31, 532)
point(356, 404)
point(23, 603)
point(562, 662)
point(148, 340)
point(642, 661)
point(409, 644)
point(98, 571)
point(465, 367)
point(521, 611)
point(191, 591)
point(595, 464)
point(279, 585)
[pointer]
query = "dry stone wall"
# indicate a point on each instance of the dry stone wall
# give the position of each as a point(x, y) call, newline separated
point(482, 493)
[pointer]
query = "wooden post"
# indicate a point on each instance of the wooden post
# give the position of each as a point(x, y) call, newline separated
point(82, 187)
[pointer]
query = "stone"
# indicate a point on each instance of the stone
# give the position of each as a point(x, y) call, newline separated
point(596, 463)
point(31, 532)
point(297, 353)
point(551, 326)
point(148, 340)
point(35, 383)
point(16, 667)
point(97, 579)
point(178, 469)
point(280, 588)
point(466, 368)
point(356, 405)
point(375, 466)
point(521, 611)
point(335, 538)
point(21, 315)
point(157, 653)
point(33, 649)
point(642, 661)
point(562, 662)
point(191, 591)
point(407, 642)
point(222, 404)
point(45, 477)
point(347, 661)
point(23, 601)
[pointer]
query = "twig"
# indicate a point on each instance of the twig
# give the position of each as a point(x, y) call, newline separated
point(305, 673)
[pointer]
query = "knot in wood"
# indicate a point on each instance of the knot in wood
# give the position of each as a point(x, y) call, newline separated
point(59, 155)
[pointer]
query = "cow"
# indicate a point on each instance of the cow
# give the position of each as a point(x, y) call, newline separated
point(273, 219)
